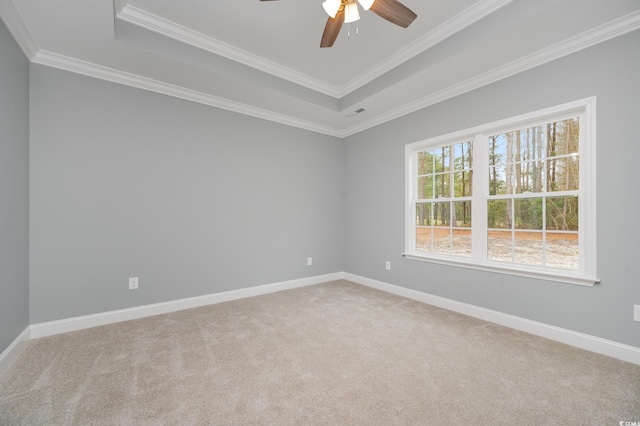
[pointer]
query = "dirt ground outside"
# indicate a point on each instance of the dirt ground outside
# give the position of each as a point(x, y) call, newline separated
point(554, 249)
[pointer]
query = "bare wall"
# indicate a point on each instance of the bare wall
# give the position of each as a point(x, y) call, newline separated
point(375, 194)
point(196, 200)
point(14, 189)
point(191, 199)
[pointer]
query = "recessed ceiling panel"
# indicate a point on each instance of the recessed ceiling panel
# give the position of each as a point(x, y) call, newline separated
point(288, 32)
point(263, 58)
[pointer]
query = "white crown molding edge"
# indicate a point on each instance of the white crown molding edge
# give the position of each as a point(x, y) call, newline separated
point(157, 24)
point(118, 5)
point(78, 66)
point(88, 321)
point(454, 25)
point(16, 26)
point(580, 340)
point(600, 34)
point(615, 28)
point(12, 352)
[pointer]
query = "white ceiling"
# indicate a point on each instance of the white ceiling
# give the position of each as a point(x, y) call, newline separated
point(263, 58)
point(288, 32)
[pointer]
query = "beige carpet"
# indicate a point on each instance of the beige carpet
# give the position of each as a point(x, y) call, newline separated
point(334, 354)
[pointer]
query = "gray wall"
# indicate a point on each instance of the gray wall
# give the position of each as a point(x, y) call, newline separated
point(196, 200)
point(14, 189)
point(375, 194)
point(191, 199)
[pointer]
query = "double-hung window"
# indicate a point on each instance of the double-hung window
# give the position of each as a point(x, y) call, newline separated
point(515, 196)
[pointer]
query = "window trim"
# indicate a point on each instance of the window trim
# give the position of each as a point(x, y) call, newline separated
point(587, 275)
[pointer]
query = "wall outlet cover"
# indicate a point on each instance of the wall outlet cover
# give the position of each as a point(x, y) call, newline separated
point(133, 283)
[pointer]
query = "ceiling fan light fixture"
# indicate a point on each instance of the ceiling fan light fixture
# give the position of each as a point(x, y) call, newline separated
point(332, 7)
point(351, 13)
point(366, 4)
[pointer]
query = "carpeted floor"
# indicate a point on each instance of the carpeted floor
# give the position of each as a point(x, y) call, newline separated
point(331, 354)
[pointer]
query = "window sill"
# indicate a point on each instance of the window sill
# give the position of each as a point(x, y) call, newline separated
point(521, 271)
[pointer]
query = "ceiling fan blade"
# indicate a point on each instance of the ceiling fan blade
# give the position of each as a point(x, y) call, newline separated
point(332, 29)
point(394, 11)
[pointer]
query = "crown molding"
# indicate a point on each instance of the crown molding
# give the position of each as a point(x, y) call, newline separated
point(14, 22)
point(16, 26)
point(600, 34)
point(615, 28)
point(157, 24)
point(456, 24)
point(77, 66)
point(118, 5)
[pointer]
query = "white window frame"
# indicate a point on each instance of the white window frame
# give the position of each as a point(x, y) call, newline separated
point(586, 274)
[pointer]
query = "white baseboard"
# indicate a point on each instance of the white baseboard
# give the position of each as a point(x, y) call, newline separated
point(11, 353)
point(569, 337)
point(104, 318)
point(573, 338)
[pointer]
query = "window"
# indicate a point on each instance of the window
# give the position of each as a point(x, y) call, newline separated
point(516, 196)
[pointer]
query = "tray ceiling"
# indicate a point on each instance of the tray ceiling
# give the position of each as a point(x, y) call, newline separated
point(263, 58)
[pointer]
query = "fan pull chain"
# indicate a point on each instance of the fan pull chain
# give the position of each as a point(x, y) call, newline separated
point(349, 30)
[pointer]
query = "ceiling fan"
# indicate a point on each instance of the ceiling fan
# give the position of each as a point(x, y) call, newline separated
point(345, 11)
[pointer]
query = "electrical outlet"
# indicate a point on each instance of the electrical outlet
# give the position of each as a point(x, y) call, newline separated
point(309, 261)
point(387, 265)
point(133, 283)
point(636, 312)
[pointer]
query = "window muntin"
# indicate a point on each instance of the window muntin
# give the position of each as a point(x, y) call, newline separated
point(443, 205)
point(516, 196)
point(528, 168)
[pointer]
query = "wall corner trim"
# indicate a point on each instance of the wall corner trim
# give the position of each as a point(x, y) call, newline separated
point(87, 321)
point(13, 350)
point(580, 340)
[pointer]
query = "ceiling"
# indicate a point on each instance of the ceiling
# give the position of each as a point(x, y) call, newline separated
point(263, 58)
